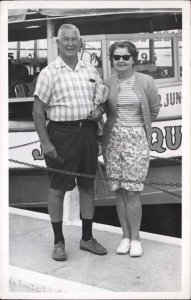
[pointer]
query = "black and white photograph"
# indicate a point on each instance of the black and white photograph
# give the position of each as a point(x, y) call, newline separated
point(95, 94)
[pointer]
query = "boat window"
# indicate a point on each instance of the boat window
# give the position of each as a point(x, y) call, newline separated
point(155, 58)
point(25, 60)
point(91, 53)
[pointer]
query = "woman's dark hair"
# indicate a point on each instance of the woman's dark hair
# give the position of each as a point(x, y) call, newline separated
point(130, 46)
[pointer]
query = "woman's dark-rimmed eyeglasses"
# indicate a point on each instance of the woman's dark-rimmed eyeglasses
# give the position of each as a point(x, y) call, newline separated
point(118, 57)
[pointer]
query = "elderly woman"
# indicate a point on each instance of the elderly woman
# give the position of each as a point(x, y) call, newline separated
point(131, 106)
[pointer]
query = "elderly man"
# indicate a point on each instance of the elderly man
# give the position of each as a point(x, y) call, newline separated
point(66, 89)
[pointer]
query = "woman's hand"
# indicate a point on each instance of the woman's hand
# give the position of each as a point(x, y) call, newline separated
point(95, 115)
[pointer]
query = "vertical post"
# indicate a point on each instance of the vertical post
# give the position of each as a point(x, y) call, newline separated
point(50, 35)
point(35, 56)
point(18, 51)
point(151, 43)
point(178, 47)
point(151, 50)
point(107, 60)
point(175, 58)
point(104, 58)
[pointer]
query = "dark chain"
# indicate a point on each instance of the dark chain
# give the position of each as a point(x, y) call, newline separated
point(23, 145)
point(151, 156)
point(152, 184)
point(149, 183)
point(52, 169)
point(166, 191)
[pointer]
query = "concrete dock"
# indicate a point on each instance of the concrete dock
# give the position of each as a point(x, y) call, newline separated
point(85, 275)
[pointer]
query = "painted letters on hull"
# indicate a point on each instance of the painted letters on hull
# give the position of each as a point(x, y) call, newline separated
point(166, 142)
point(170, 101)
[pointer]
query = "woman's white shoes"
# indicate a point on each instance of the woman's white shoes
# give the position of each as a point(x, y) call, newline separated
point(124, 246)
point(135, 249)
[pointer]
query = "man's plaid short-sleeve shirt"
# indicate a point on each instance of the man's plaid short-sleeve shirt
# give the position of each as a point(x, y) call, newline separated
point(69, 94)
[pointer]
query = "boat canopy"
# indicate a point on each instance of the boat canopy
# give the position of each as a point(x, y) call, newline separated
point(26, 24)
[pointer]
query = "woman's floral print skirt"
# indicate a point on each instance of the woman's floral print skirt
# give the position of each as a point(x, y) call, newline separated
point(127, 157)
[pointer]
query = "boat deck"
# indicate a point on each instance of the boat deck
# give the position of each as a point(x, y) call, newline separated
point(85, 275)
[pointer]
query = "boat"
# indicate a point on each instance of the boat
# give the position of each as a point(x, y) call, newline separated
point(157, 33)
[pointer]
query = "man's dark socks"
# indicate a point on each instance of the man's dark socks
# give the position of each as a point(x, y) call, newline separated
point(58, 235)
point(87, 229)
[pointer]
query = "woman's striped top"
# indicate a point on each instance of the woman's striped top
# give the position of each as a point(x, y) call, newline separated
point(129, 112)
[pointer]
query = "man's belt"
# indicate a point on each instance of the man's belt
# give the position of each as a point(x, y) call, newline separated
point(77, 123)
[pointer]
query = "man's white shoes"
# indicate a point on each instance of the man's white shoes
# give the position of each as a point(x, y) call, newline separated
point(124, 246)
point(135, 249)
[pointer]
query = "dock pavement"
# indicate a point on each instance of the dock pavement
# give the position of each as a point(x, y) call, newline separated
point(85, 275)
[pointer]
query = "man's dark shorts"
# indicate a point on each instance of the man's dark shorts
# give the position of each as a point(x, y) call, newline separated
point(76, 143)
